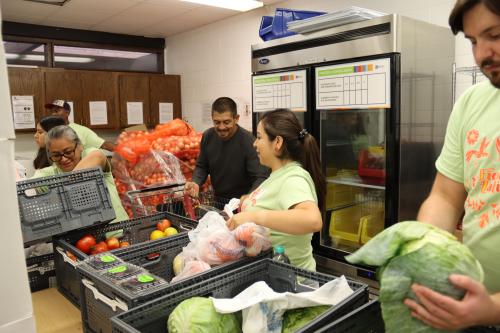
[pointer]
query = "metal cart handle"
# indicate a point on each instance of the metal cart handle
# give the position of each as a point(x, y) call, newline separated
point(66, 258)
point(176, 186)
point(112, 303)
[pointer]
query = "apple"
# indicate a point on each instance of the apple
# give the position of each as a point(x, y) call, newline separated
point(113, 243)
point(170, 231)
point(163, 224)
point(99, 248)
point(156, 234)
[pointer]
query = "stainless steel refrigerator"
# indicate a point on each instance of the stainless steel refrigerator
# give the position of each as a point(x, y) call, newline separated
point(378, 99)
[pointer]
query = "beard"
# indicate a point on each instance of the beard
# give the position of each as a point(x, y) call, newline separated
point(494, 75)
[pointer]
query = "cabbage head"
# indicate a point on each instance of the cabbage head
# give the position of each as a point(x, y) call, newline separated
point(198, 315)
point(409, 252)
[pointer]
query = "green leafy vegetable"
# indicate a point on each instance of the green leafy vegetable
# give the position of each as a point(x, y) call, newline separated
point(413, 252)
point(297, 318)
point(198, 315)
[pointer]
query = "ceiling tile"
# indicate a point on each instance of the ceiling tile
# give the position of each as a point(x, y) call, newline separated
point(14, 9)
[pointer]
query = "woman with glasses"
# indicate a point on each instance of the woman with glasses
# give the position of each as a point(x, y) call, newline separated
point(42, 127)
point(66, 152)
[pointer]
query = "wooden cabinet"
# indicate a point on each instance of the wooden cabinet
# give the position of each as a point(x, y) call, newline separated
point(164, 89)
point(66, 85)
point(82, 87)
point(133, 88)
point(28, 82)
point(100, 87)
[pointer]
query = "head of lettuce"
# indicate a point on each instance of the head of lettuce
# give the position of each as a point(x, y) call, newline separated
point(414, 252)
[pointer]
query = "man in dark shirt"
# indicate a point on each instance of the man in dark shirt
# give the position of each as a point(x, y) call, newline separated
point(227, 155)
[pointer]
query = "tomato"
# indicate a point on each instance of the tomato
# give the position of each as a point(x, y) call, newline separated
point(86, 243)
point(99, 248)
point(124, 244)
point(113, 243)
point(163, 224)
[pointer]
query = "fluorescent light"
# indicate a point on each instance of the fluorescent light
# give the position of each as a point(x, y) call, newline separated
point(239, 5)
point(36, 57)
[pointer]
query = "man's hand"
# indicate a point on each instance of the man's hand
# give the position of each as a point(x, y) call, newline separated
point(443, 312)
point(192, 189)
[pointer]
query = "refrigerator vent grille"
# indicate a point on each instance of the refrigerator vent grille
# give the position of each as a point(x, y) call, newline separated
point(375, 30)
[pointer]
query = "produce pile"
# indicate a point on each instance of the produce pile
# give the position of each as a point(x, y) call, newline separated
point(212, 243)
point(166, 155)
point(413, 252)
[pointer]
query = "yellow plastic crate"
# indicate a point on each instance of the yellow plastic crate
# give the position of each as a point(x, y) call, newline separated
point(371, 225)
point(339, 195)
point(345, 224)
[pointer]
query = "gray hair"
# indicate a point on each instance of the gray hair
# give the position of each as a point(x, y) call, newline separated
point(61, 132)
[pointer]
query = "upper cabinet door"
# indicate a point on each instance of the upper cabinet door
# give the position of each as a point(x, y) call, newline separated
point(66, 85)
point(28, 82)
point(134, 99)
point(164, 89)
point(100, 100)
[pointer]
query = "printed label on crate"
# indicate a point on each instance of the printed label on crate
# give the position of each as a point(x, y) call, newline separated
point(356, 85)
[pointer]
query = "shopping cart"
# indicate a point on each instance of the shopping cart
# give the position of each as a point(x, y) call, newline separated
point(171, 198)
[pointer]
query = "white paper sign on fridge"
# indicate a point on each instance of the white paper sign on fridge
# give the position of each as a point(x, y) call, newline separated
point(23, 109)
point(166, 112)
point(98, 113)
point(135, 114)
point(71, 117)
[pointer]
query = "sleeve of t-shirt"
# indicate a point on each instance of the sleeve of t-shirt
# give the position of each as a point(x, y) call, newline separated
point(201, 171)
point(91, 139)
point(295, 190)
point(450, 162)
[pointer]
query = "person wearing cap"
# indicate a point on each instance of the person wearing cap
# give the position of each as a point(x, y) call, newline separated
point(88, 138)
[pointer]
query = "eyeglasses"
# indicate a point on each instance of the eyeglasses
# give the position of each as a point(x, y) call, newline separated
point(56, 157)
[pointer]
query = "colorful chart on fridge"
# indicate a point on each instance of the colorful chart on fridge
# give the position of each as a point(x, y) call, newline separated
point(280, 90)
point(356, 85)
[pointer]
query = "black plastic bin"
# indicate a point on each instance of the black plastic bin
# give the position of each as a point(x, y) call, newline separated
point(152, 316)
point(41, 272)
point(54, 205)
point(135, 231)
point(101, 300)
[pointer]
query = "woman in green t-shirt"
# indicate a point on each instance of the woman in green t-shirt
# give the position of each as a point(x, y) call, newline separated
point(288, 201)
point(66, 152)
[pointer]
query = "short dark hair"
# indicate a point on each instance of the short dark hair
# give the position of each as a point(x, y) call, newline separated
point(225, 104)
point(456, 19)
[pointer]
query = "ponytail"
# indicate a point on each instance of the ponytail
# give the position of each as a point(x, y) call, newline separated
point(311, 162)
point(298, 146)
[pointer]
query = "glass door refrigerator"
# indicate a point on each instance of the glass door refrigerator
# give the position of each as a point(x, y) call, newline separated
point(380, 97)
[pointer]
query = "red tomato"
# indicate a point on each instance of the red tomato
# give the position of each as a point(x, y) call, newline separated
point(99, 248)
point(86, 243)
point(163, 224)
point(113, 243)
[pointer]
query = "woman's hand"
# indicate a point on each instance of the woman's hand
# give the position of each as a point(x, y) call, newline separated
point(443, 312)
point(239, 219)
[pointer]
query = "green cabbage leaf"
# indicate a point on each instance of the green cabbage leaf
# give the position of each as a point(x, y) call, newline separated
point(198, 315)
point(413, 252)
point(298, 318)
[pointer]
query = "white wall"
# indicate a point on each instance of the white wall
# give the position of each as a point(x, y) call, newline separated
point(214, 60)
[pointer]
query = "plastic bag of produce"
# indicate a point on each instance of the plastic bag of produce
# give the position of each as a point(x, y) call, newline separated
point(253, 237)
point(414, 252)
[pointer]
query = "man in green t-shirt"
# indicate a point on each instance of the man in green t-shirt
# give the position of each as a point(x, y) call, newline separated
point(468, 179)
point(88, 137)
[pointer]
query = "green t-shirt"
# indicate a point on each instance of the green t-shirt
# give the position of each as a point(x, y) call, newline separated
point(285, 187)
point(87, 136)
point(471, 155)
point(120, 212)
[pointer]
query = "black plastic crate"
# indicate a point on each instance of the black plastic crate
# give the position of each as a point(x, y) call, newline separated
point(102, 300)
point(170, 198)
point(152, 317)
point(365, 319)
point(53, 205)
point(41, 272)
point(135, 231)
